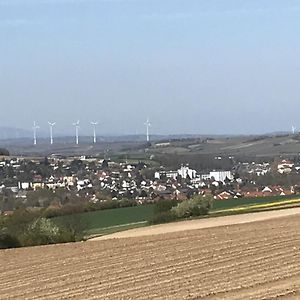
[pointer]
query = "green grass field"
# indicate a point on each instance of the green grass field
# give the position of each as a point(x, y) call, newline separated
point(112, 220)
point(246, 201)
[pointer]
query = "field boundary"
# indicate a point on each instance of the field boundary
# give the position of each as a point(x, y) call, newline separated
point(202, 223)
point(113, 229)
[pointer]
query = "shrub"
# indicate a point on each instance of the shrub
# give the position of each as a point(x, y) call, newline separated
point(52, 212)
point(72, 208)
point(163, 217)
point(72, 227)
point(164, 205)
point(43, 231)
point(196, 206)
point(25, 228)
point(8, 241)
point(127, 203)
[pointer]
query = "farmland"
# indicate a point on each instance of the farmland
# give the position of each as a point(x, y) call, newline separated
point(113, 220)
point(253, 203)
point(257, 260)
point(105, 221)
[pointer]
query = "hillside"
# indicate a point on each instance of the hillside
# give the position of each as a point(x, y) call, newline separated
point(135, 147)
point(247, 261)
point(266, 145)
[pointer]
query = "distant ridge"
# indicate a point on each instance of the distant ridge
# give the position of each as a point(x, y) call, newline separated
point(11, 133)
point(8, 133)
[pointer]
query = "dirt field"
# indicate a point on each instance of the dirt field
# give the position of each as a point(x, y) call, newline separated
point(259, 260)
point(200, 224)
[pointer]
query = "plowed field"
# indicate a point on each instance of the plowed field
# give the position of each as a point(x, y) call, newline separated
point(259, 260)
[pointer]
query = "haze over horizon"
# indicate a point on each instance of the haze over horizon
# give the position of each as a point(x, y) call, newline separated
point(215, 67)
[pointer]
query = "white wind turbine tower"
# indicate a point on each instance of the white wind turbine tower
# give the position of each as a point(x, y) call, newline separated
point(94, 124)
point(35, 128)
point(147, 124)
point(76, 124)
point(51, 131)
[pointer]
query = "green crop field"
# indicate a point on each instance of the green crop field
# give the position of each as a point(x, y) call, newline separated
point(110, 220)
point(232, 203)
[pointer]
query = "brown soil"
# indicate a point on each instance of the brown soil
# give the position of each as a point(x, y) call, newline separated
point(258, 260)
point(201, 223)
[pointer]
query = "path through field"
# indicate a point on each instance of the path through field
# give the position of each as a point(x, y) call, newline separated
point(258, 260)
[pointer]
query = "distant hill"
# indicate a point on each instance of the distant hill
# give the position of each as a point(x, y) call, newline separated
point(7, 133)
point(4, 152)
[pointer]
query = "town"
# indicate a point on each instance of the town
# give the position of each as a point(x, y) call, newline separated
point(90, 182)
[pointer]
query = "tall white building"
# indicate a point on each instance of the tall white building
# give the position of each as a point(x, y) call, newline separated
point(185, 172)
point(220, 175)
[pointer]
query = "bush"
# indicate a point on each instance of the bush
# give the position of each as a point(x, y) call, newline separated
point(127, 203)
point(169, 210)
point(52, 212)
point(8, 241)
point(163, 217)
point(72, 227)
point(25, 228)
point(72, 208)
point(164, 205)
point(43, 231)
point(196, 206)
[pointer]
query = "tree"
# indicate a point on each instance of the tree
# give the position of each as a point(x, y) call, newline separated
point(73, 226)
point(40, 197)
point(8, 241)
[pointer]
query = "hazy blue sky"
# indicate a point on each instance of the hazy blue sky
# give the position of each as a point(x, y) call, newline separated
point(192, 66)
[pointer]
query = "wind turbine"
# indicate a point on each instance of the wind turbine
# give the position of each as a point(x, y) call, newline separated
point(147, 124)
point(51, 131)
point(94, 124)
point(293, 129)
point(76, 124)
point(35, 127)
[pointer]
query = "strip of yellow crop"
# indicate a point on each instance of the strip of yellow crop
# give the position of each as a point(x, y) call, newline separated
point(262, 205)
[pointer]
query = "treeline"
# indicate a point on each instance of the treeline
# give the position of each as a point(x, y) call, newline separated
point(170, 210)
point(81, 207)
